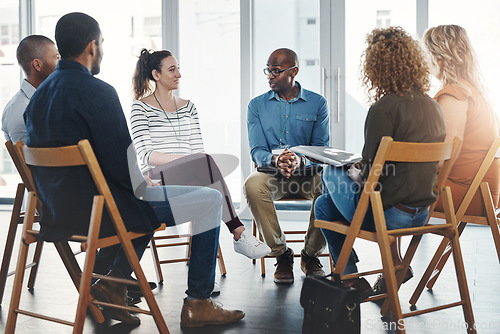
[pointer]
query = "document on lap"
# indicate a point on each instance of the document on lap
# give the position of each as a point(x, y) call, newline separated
point(328, 155)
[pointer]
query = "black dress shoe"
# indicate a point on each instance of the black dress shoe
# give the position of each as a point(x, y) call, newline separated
point(379, 286)
point(135, 290)
point(114, 293)
point(131, 301)
point(362, 285)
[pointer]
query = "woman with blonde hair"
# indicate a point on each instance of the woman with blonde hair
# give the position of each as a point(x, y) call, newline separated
point(397, 79)
point(166, 135)
point(467, 112)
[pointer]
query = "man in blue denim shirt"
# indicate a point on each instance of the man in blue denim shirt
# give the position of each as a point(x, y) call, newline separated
point(286, 116)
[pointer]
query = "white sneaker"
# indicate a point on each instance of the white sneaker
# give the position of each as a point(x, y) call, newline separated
point(250, 246)
point(216, 289)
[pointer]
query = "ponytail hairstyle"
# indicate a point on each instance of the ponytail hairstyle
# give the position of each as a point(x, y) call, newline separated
point(149, 60)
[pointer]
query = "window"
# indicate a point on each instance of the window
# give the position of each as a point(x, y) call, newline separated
point(312, 62)
point(301, 36)
point(9, 84)
point(374, 14)
point(482, 24)
point(122, 42)
point(152, 26)
point(209, 59)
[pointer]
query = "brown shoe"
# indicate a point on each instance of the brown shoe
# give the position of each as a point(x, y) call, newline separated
point(114, 293)
point(197, 313)
point(284, 268)
point(310, 265)
point(379, 286)
point(362, 285)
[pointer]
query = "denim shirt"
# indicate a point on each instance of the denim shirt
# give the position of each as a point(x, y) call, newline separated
point(303, 120)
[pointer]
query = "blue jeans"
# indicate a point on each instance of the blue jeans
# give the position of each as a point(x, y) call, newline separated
point(339, 202)
point(202, 207)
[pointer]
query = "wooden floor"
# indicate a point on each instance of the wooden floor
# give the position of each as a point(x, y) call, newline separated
point(272, 308)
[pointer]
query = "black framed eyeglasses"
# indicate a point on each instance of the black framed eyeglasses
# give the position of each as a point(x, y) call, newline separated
point(276, 73)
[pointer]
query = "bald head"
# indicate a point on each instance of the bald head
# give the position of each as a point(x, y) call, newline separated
point(32, 47)
point(288, 57)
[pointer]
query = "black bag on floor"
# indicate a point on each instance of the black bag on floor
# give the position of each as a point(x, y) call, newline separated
point(330, 307)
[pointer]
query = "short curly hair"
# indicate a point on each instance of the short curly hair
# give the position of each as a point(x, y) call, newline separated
point(393, 63)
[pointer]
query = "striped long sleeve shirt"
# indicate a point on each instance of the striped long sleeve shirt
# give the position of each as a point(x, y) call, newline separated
point(171, 132)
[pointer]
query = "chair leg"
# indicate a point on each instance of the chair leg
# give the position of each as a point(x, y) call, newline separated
point(262, 259)
point(36, 262)
point(139, 274)
point(410, 253)
point(11, 235)
point(86, 277)
point(188, 250)
point(459, 263)
point(222, 266)
point(262, 262)
point(491, 217)
point(443, 259)
point(16, 289)
point(156, 260)
point(21, 265)
point(387, 262)
point(462, 285)
point(74, 271)
point(434, 268)
point(254, 232)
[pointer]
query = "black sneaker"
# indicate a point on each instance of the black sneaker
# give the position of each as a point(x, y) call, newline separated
point(284, 268)
point(310, 265)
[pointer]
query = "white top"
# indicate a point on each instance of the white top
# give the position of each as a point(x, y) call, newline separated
point(12, 119)
point(180, 133)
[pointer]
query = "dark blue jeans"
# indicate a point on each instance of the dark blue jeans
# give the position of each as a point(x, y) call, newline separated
point(340, 203)
point(202, 207)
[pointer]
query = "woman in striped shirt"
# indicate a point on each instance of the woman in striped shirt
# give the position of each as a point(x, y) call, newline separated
point(166, 132)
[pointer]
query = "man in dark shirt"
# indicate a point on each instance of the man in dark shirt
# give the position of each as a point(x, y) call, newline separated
point(72, 105)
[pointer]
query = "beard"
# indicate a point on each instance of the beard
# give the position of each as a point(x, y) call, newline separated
point(96, 66)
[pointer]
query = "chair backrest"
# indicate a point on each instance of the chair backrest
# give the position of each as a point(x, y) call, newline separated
point(492, 153)
point(18, 162)
point(68, 156)
point(23, 171)
point(392, 151)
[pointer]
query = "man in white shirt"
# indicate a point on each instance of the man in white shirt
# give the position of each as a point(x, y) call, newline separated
point(38, 56)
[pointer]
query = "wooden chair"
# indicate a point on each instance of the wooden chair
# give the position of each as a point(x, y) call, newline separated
point(491, 219)
point(79, 155)
point(392, 151)
point(175, 240)
point(16, 218)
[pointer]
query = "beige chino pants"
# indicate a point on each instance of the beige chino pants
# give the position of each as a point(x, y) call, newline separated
point(262, 189)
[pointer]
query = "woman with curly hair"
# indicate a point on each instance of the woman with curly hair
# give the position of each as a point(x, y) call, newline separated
point(466, 110)
point(397, 79)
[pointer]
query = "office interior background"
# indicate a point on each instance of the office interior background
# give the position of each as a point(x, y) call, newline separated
point(222, 47)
